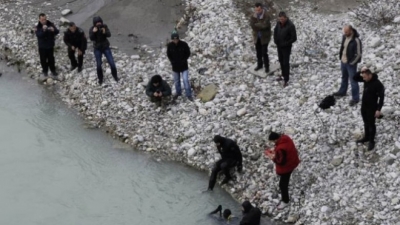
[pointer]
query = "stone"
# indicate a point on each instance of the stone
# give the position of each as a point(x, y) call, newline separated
point(64, 21)
point(140, 138)
point(66, 12)
point(241, 111)
point(135, 57)
point(191, 152)
point(325, 209)
point(396, 19)
point(337, 161)
point(208, 93)
point(203, 112)
point(375, 42)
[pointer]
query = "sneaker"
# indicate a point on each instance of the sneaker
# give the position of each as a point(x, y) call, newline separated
point(353, 103)
point(371, 145)
point(267, 69)
point(362, 140)
point(80, 69)
point(281, 205)
point(338, 94)
point(73, 67)
point(257, 68)
point(54, 74)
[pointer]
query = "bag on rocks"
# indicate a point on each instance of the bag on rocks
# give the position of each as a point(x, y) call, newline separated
point(327, 102)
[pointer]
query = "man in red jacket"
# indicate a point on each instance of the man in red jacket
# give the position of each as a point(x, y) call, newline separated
point(286, 159)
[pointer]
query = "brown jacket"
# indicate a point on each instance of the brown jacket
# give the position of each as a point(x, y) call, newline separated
point(262, 25)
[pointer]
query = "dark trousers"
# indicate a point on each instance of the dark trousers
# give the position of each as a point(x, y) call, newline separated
point(368, 117)
point(284, 186)
point(225, 166)
point(47, 60)
point(107, 53)
point(262, 54)
point(71, 56)
point(284, 60)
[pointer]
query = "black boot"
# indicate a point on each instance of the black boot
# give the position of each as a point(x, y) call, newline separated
point(257, 68)
point(371, 145)
point(362, 140)
point(267, 69)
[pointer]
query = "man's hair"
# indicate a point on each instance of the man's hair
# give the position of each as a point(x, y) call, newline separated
point(258, 5)
point(218, 139)
point(282, 14)
point(42, 15)
point(273, 136)
point(368, 71)
point(156, 79)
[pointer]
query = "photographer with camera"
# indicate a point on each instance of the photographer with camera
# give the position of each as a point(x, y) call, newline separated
point(158, 91)
point(99, 33)
point(75, 39)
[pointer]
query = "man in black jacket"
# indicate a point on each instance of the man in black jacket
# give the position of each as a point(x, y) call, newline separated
point(178, 53)
point(350, 55)
point(284, 37)
point(75, 39)
point(371, 104)
point(99, 33)
point(46, 32)
point(252, 215)
point(230, 157)
point(158, 90)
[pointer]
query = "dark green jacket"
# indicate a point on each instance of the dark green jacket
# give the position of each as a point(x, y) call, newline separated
point(262, 25)
point(164, 88)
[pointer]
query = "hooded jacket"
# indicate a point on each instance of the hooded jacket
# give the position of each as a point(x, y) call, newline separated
point(286, 156)
point(285, 36)
point(46, 38)
point(252, 215)
point(76, 39)
point(354, 49)
point(164, 88)
point(100, 41)
point(373, 91)
point(262, 25)
point(178, 54)
point(230, 150)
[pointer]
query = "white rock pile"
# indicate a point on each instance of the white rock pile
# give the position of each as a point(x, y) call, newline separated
point(338, 182)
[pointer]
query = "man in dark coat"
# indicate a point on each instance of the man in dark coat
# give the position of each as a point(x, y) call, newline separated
point(371, 104)
point(251, 215)
point(46, 32)
point(350, 55)
point(230, 157)
point(99, 33)
point(158, 90)
point(261, 25)
point(178, 53)
point(286, 159)
point(75, 39)
point(284, 37)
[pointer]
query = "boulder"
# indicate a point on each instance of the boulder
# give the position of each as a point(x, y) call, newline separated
point(66, 12)
point(208, 93)
point(64, 21)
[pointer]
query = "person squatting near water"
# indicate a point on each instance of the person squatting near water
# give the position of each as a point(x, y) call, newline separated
point(286, 159)
point(349, 55)
point(260, 23)
point(46, 32)
point(158, 91)
point(371, 104)
point(75, 39)
point(226, 216)
point(230, 157)
point(178, 53)
point(284, 37)
point(99, 33)
point(251, 215)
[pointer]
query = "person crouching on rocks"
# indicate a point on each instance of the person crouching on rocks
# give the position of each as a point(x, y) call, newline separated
point(371, 104)
point(99, 33)
point(75, 39)
point(251, 215)
point(230, 157)
point(158, 90)
point(286, 159)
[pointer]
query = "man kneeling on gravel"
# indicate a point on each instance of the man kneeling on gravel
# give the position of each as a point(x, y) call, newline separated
point(158, 91)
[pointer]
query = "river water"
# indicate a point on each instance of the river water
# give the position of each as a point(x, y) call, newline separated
point(54, 171)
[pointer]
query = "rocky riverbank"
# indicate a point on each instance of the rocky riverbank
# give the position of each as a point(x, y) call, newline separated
point(338, 182)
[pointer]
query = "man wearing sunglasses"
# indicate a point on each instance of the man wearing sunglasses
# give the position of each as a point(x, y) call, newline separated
point(371, 104)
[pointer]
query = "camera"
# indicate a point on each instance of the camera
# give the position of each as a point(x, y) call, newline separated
point(99, 27)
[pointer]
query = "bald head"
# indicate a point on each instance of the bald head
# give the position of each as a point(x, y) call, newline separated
point(348, 30)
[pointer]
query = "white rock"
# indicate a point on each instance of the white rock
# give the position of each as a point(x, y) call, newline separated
point(241, 111)
point(135, 57)
point(191, 152)
point(396, 19)
point(203, 112)
point(325, 209)
point(66, 12)
point(375, 42)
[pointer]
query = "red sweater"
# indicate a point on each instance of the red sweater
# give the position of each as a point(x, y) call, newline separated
point(286, 156)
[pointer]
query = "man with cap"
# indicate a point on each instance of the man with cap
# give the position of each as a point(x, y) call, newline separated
point(99, 33)
point(251, 215)
point(261, 25)
point(286, 159)
point(75, 39)
point(371, 104)
point(178, 53)
point(230, 157)
point(46, 32)
point(158, 90)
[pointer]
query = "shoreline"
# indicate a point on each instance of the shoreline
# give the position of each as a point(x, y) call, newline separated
point(186, 128)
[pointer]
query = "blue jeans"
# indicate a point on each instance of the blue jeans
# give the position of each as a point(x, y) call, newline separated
point(177, 81)
point(98, 54)
point(348, 72)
